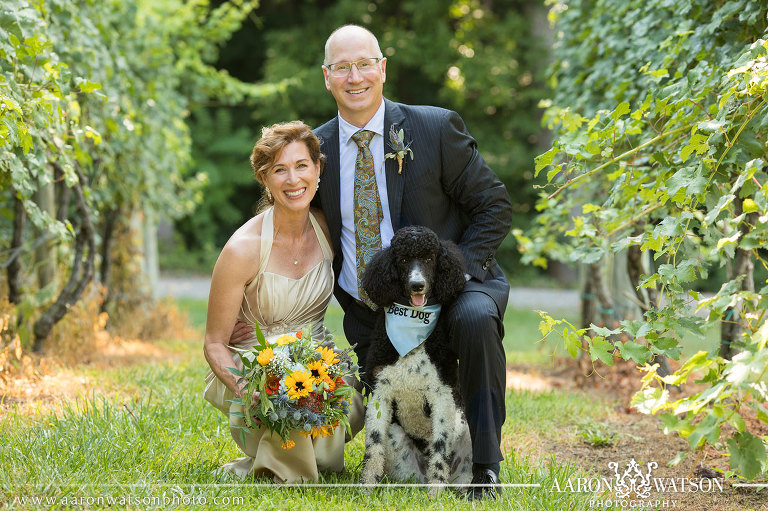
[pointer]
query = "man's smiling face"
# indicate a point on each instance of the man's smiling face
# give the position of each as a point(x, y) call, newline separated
point(358, 94)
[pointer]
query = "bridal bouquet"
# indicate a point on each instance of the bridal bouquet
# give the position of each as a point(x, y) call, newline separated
point(299, 385)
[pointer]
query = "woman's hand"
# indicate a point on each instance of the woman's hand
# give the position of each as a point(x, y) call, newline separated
point(237, 265)
point(242, 332)
point(242, 390)
point(254, 401)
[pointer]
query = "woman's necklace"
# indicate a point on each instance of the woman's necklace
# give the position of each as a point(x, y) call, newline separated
point(301, 243)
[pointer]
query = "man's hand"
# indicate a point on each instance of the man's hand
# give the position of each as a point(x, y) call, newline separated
point(242, 331)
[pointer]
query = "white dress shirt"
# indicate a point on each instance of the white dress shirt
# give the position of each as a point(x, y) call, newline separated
point(347, 157)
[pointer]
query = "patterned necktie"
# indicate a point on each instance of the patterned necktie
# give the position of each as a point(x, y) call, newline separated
point(368, 212)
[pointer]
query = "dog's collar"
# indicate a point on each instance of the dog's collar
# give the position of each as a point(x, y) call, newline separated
point(408, 327)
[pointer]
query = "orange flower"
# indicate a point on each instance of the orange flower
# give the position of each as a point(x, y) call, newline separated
point(330, 383)
point(299, 334)
point(272, 385)
point(290, 444)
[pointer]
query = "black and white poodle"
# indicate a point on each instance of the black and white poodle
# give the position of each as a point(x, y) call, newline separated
point(415, 426)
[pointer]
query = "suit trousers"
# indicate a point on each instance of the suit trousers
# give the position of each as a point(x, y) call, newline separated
point(476, 330)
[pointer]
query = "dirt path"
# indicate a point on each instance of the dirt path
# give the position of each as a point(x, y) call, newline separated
point(638, 438)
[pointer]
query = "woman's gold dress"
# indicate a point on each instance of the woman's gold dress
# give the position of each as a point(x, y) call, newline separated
point(280, 305)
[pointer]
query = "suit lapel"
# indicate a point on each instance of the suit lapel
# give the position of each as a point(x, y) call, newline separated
point(395, 182)
point(330, 191)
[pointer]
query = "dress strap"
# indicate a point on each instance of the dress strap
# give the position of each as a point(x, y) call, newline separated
point(327, 253)
point(265, 249)
point(267, 236)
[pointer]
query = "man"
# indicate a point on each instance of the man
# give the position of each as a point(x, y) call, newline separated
point(447, 187)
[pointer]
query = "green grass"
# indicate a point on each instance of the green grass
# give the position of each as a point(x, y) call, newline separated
point(334, 321)
point(149, 435)
point(155, 438)
point(196, 311)
point(523, 342)
point(597, 434)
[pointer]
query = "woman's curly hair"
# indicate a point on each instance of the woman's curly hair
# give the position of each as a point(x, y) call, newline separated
point(273, 140)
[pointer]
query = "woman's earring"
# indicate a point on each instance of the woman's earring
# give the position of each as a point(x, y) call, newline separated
point(318, 184)
point(269, 194)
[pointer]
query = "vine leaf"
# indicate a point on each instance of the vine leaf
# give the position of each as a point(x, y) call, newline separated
point(637, 352)
point(601, 349)
point(697, 144)
point(747, 454)
point(544, 160)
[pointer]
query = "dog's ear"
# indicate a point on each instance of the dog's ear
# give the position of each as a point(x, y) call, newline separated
point(380, 277)
point(449, 273)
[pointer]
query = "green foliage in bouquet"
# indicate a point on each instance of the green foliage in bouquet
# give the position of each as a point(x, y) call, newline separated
point(298, 384)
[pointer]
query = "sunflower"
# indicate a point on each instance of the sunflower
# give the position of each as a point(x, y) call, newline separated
point(299, 384)
point(319, 431)
point(285, 339)
point(318, 371)
point(329, 356)
point(265, 356)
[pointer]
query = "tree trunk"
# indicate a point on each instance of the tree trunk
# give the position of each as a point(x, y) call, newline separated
point(63, 194)
point(588, 313)
point(588, 300)
point(151, 254)
point(107, 241)
point(17, 242)
point(596, 307)
point(647, 298)
point(731, 328)
point(45, 253)
point(82, 270)
point(603, 295)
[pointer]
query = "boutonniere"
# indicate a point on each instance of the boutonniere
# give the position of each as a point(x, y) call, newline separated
point(398, 145)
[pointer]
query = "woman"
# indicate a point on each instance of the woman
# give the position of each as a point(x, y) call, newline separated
point(275, 271)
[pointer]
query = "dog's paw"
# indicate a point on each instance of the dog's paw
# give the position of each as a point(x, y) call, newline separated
point(370, 477)
point(436, 490)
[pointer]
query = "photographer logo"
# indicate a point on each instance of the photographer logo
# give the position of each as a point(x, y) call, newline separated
point(635, 486)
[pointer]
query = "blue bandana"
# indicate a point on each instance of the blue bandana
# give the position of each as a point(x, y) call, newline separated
point(408, 327)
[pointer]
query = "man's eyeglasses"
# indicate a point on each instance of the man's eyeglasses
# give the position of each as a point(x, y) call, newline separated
point(341, 69)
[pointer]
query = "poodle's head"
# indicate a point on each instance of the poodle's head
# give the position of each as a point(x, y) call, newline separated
point(415, 251)
point(415, 268)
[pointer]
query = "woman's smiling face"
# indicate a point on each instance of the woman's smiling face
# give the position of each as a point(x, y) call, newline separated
point(293, 177)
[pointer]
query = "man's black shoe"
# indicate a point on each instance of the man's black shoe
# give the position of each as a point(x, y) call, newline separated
point(490, 481)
